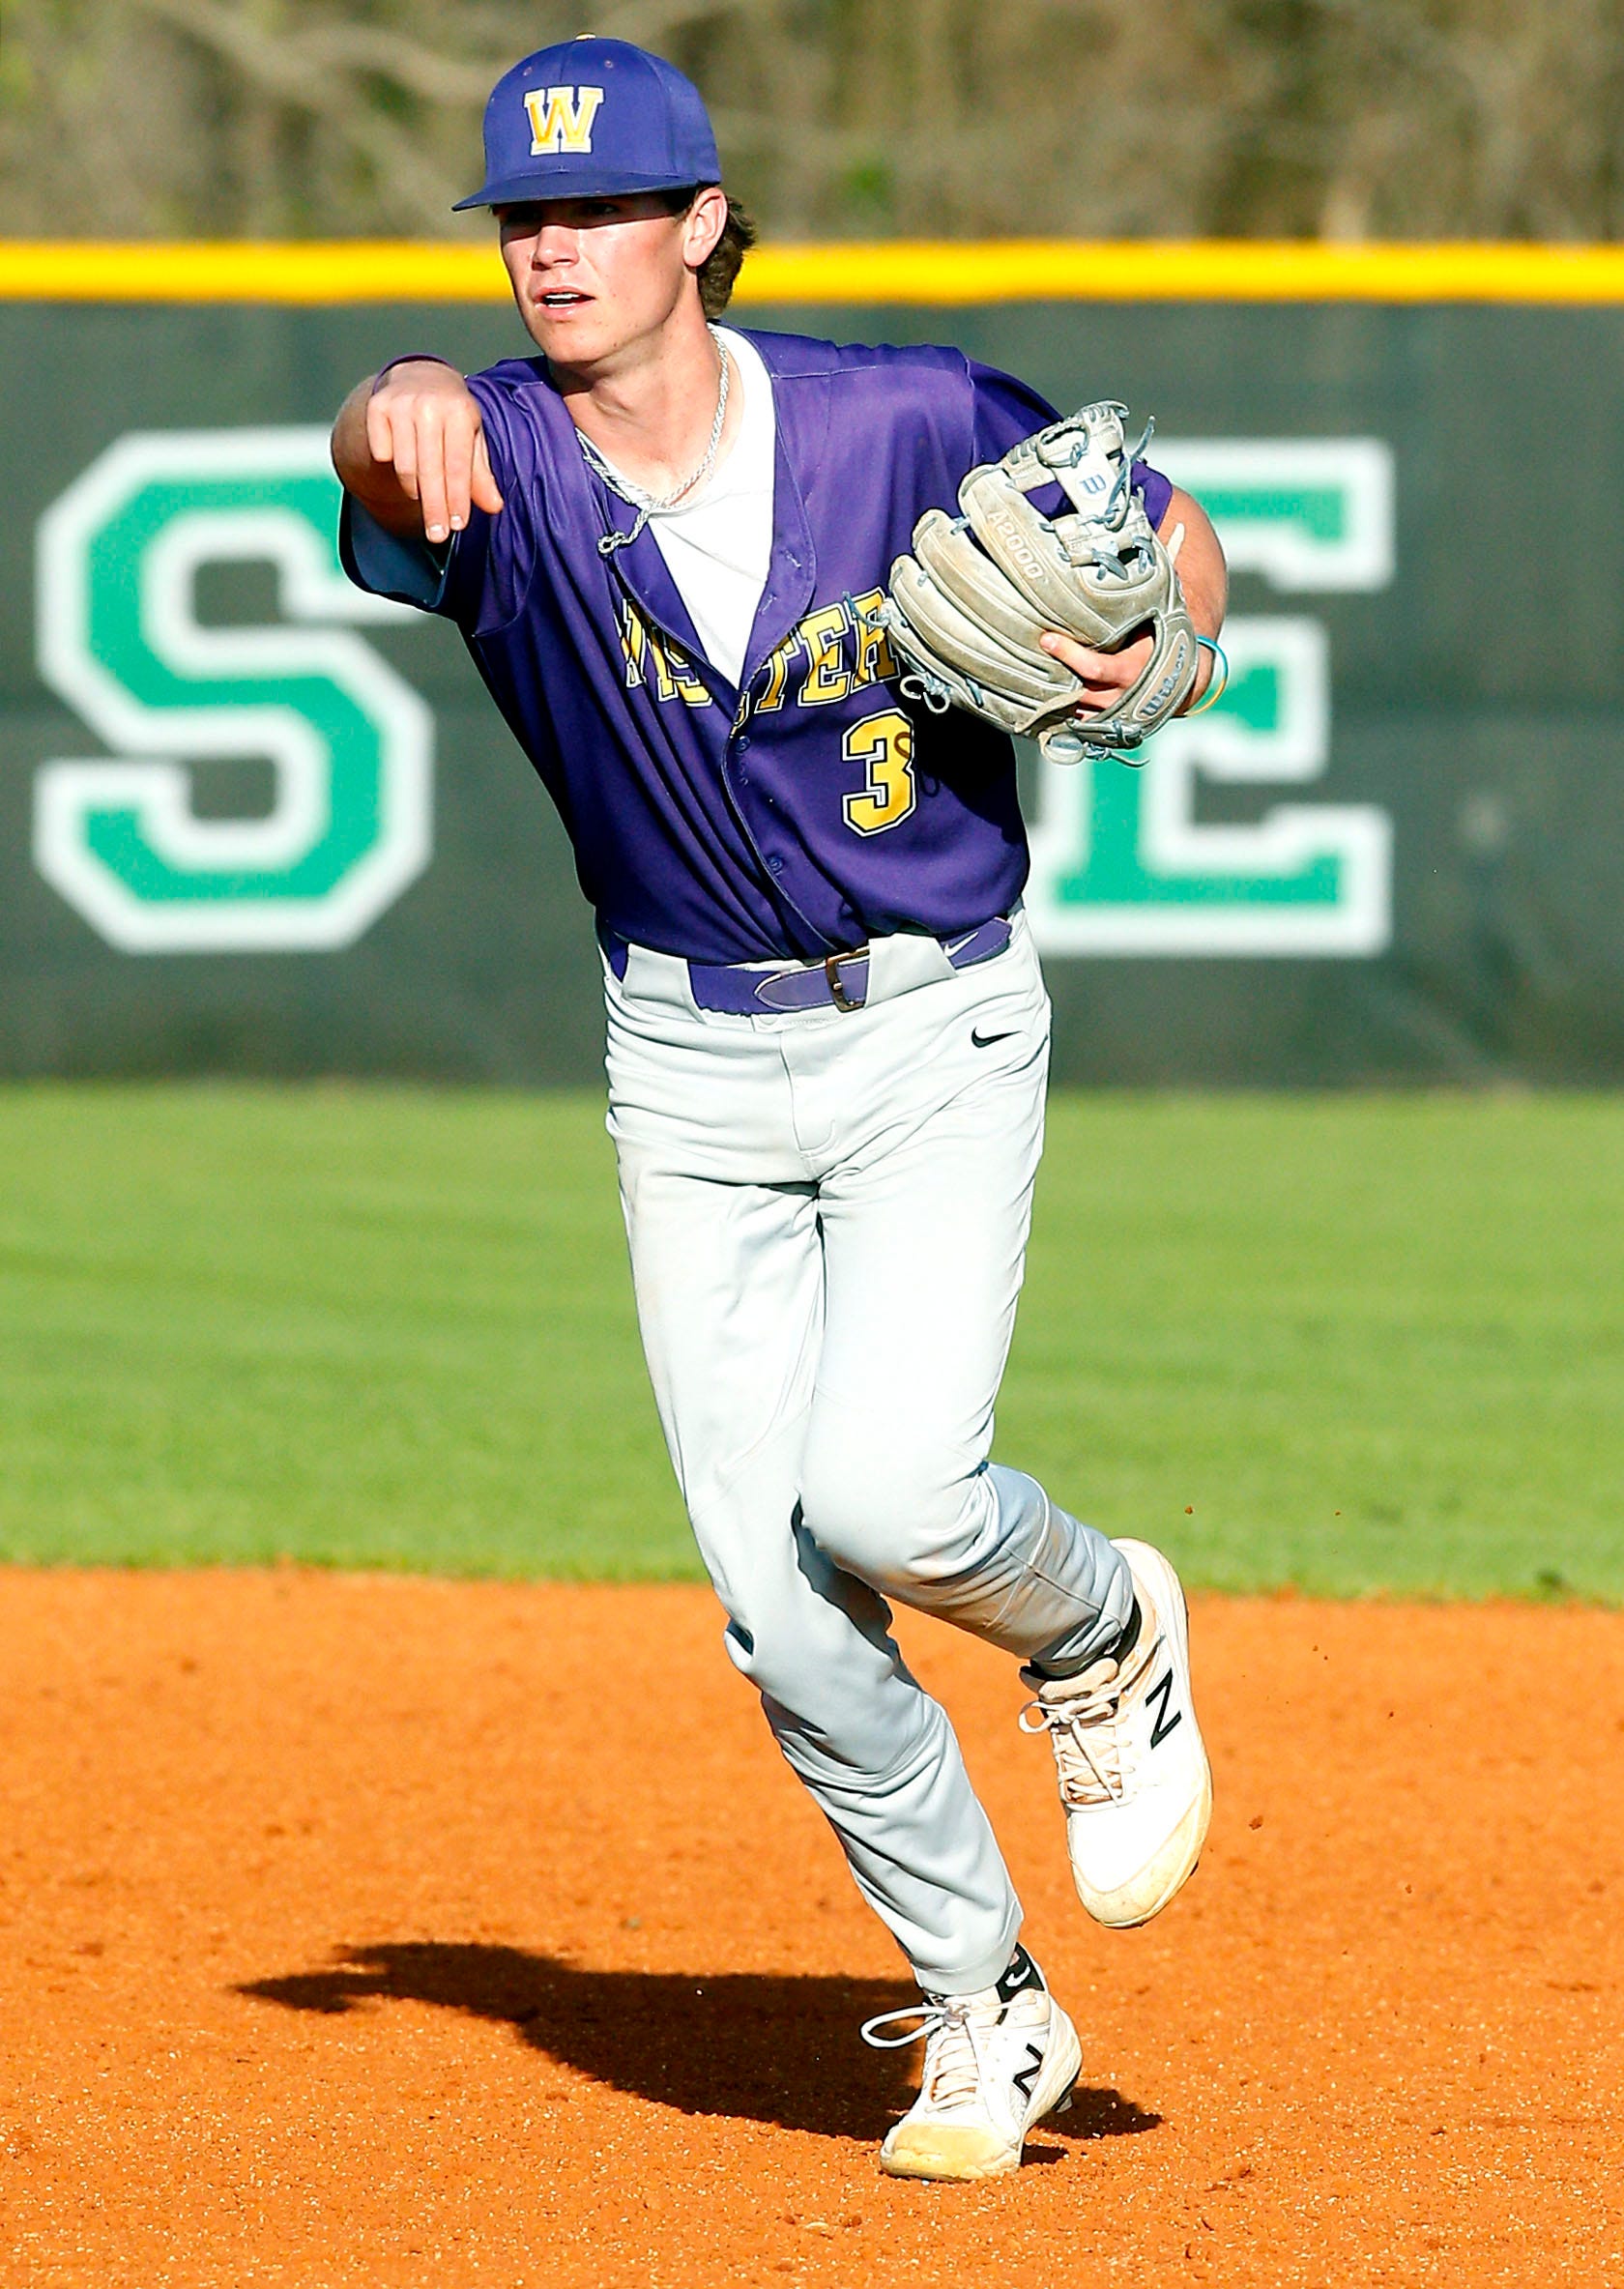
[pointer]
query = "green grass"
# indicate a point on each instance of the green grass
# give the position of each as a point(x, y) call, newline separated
point(1350, 1343)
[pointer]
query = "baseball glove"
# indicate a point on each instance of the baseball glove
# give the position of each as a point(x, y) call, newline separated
point(967, 609)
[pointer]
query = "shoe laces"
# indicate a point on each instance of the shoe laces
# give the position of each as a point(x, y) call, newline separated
point(1081, 1715)
point(947, 2026)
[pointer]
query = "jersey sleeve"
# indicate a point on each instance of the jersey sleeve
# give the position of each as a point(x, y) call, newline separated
point(1004, 410)
point(393, 565)
point(1154, 489)
point(1007, 410)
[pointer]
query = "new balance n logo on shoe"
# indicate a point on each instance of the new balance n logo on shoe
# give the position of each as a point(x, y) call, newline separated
point(1028, 2075)
point(1163, 1723)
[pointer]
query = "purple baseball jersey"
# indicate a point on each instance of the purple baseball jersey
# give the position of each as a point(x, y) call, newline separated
point(811, 806)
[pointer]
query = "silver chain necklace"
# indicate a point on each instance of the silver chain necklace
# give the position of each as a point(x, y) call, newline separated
point(647, 505)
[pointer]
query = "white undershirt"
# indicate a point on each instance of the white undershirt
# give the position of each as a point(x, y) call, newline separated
point(718, 546)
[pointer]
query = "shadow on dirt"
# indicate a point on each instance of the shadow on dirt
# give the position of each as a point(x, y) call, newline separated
point(774, 2049)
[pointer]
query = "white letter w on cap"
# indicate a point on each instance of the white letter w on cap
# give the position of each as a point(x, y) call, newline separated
point(560, 117)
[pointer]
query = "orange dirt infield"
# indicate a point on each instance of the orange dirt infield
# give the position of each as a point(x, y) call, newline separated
point(358, 1930)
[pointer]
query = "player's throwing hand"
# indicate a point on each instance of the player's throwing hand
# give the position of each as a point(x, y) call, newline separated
point(426, 440)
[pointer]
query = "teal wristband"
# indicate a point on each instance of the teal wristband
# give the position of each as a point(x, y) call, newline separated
point(1216, 689)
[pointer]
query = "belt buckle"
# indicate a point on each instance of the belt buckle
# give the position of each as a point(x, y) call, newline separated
point(831, 971)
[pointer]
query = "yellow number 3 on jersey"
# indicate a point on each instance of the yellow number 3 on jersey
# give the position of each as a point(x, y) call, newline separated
point(885, 743)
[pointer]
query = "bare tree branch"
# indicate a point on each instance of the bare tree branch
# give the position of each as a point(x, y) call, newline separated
point(1094, 117)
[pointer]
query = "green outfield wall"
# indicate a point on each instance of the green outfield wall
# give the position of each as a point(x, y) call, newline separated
point(251, 823)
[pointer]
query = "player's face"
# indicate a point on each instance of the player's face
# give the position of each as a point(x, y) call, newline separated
point(594, 276)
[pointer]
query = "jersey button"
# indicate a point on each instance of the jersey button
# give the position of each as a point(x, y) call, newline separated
point(739, 745)
point(774, 864)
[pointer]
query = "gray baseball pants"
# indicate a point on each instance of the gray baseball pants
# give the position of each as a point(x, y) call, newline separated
point(827, 1216)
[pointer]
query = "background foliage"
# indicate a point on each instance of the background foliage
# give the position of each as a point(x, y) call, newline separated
point(1341, 118)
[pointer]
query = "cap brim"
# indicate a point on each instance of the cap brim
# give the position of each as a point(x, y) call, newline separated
point(583, 182)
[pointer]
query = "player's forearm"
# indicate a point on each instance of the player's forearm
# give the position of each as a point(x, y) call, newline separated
point(1203, 573)
point(1204, 578)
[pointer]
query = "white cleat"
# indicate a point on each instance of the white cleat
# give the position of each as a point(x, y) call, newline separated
point(995, 2063)
point(1134, 1777)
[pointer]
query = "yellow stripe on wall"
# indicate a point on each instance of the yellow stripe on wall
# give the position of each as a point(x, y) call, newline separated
point(1067, 269)
point(901, 270)
point(336, 271)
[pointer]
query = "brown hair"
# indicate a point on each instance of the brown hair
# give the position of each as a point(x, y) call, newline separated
point(726, 258)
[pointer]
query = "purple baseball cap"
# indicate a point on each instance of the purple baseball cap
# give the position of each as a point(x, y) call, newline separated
point(590, 117)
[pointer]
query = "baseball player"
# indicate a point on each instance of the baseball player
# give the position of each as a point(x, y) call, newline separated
point(664, 542)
